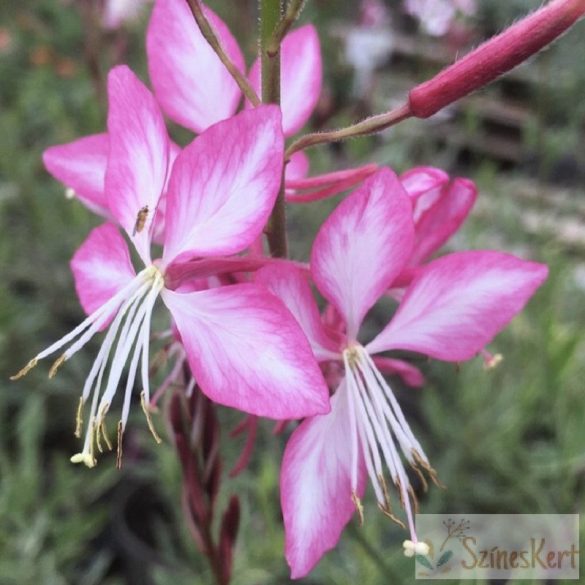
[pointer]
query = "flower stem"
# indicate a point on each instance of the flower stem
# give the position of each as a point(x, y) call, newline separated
point(293, 10)
point(271, 13)
point(367, 126)
point(213, 40)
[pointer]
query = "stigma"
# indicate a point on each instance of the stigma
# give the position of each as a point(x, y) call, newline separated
point(126, 341)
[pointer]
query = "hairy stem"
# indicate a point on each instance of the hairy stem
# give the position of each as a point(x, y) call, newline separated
point(213, 40)
point(293, 11)
point(367, 126)
point(271, 13)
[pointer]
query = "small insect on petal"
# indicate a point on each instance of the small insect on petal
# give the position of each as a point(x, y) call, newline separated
point(141, 218)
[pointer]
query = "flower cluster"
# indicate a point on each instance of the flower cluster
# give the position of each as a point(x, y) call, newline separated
point(249, 326)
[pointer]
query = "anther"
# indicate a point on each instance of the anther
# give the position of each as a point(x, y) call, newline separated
point(388, 513)
point(430, 470)
point(358, 506)
point(420, 475)
point(96, 433)
point(25, 370)
point(119, 446)
point(413, 499)
point(79, 418)
point(56, 365)
point(146, 410)
point(105, 436)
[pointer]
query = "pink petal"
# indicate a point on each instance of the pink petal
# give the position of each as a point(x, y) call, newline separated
point(327, 185)
point(315, 486)
point(81, 166)
point(363, 246)
point(224, 184)
point(191, 83)
point(440, 221)
point(291, 286)
point(297, 167)
point(247, 351)
point(425, 186)
point(101, 267)
point(458, 304)
point(301, 77)
point(139, 155)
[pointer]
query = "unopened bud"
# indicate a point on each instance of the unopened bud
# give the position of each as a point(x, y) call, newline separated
point(495, 57)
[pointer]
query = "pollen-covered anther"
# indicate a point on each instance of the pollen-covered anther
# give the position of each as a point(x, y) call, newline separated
point(57, 364)
point(104, 431)
point(25, 370)
point(146, 410)
point(79, 418)
point(358, 506)
point(96, 434)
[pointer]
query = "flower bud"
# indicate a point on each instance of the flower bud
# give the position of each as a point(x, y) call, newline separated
point(495, 57)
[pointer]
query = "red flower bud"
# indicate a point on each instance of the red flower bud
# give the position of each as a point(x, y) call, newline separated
point(495, 57)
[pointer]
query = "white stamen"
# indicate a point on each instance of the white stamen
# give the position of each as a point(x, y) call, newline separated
point(371, 456)
point(376, 417)
point(106, 309)
point(190, 387)
point(131, 309)
point(352, 431)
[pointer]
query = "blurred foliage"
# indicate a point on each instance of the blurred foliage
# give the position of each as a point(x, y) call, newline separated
point(508, 440)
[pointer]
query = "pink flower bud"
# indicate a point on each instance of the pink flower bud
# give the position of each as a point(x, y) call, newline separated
point(495, 57)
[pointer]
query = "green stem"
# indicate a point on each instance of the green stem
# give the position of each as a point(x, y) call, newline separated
point(213, 40)
point(271, 13)
point(293, 10)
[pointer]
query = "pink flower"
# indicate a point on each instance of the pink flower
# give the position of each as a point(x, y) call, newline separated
point(452, 308)
point(437, 16)
point(243, 346)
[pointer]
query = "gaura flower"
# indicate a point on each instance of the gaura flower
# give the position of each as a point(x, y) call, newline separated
point(243, 346)
point(437, 16)
point(118, 12)
point(454, 306)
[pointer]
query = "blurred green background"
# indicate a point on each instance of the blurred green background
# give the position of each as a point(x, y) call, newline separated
point(508, 440)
